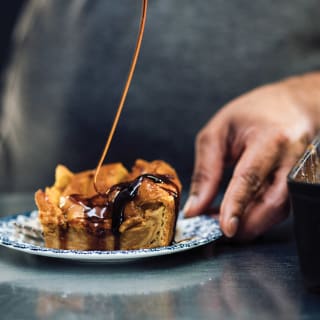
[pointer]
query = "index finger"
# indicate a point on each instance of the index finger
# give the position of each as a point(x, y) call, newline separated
point(255, 165)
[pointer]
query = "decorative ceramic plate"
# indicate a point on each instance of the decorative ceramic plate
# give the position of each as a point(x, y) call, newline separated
point(22, 232)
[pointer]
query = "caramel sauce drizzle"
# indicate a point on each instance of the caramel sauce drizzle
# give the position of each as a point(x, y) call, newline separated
point(125, 91)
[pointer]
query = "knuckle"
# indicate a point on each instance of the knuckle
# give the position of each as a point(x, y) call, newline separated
point(280, 138)
point(200, 176)
point(251, 179)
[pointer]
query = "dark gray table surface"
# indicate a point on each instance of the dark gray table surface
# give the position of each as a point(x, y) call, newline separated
point(260, 280)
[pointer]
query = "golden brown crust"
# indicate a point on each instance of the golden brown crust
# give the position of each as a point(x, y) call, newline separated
point(149, 219)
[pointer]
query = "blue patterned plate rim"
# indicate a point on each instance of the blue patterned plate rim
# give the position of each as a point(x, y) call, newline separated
point(191, 233)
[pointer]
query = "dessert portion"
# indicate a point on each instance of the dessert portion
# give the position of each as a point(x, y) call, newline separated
point(132, 210)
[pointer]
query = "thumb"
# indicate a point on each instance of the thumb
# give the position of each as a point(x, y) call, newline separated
point(208, 169)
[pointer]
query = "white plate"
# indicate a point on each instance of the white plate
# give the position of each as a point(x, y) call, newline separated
point(191, 233)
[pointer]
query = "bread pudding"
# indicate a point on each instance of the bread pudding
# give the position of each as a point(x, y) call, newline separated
point(132, 210)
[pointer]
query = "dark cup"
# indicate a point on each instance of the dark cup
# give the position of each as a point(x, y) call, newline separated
point(304, 188)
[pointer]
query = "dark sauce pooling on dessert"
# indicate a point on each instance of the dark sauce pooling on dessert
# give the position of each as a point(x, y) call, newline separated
point(100, 207)
point(127, 192)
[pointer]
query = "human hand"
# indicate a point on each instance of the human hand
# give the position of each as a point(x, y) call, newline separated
point(262, 134)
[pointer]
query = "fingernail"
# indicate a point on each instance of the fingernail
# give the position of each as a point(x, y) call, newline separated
point(188, 205)
point(233, 226)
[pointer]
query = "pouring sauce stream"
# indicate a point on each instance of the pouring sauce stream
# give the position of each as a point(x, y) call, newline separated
point(124, 93)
